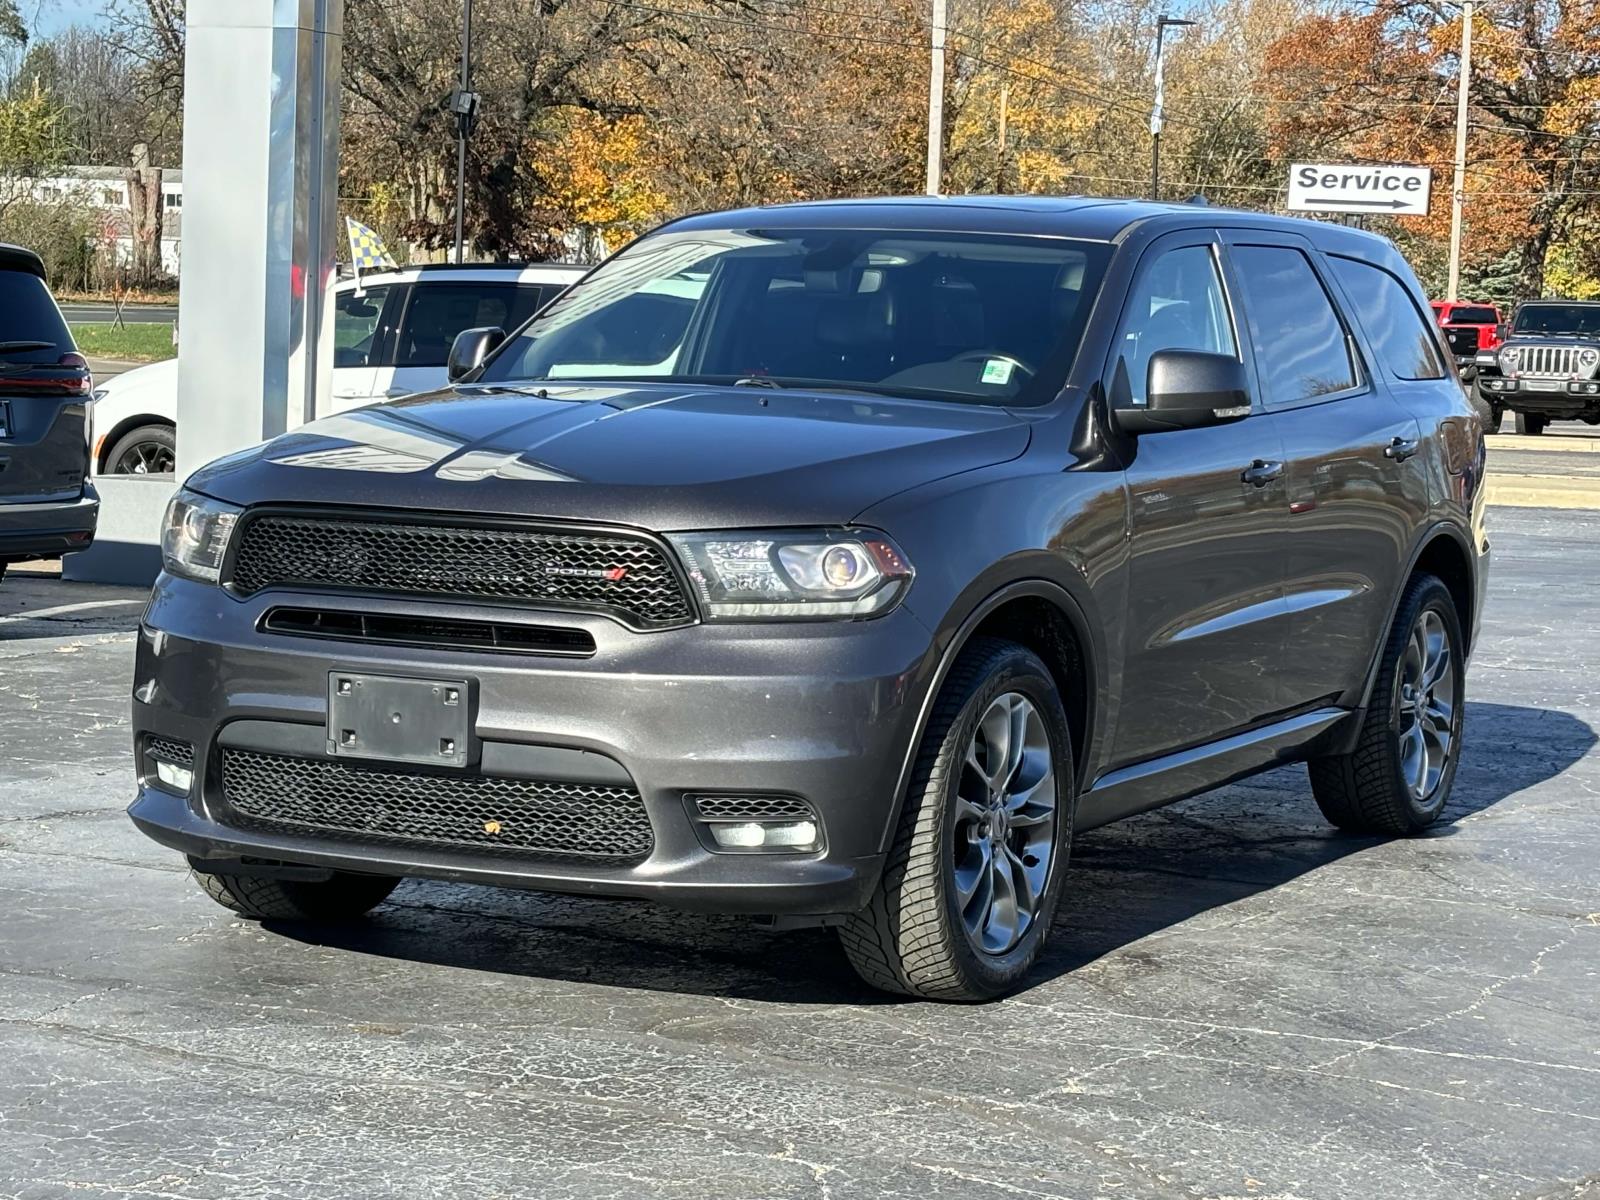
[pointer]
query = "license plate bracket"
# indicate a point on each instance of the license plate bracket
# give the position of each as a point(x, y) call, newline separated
point(401, 720)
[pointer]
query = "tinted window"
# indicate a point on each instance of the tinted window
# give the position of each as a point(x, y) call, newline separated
point(1404, 341)
point(1300, 345)
point(1178, 304)
point(1582, 320)
point(1461, 315)
point(355, 327)
point(967, 317)
point(439, 311)
point(28, 314)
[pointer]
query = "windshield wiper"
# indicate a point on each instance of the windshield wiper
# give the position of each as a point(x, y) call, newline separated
point(760, 381)
point(28, 344)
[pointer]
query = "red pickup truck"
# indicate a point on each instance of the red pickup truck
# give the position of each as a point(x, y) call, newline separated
point(1469, 328)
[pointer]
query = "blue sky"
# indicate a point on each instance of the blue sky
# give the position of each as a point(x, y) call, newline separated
point(47, 16)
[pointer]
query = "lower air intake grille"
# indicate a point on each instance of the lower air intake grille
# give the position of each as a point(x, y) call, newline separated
point(753, 808)
point(179, 754)
point(522, 816)
point(551, 568)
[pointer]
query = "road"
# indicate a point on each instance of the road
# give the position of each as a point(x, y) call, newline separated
point(1238, 1002)
point(133, 314)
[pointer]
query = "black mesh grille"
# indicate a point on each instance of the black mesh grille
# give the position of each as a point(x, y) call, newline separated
point(180, 754)
point(524, 816)
point(628, 575)
point(753, 808)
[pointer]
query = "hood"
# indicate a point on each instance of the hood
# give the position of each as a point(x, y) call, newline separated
point(658, 456)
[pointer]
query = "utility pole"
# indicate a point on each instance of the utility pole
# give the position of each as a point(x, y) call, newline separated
point(1005, 102)
point(465, 106)
point(1158, 116)
point(936, 100)
point(1458, 192)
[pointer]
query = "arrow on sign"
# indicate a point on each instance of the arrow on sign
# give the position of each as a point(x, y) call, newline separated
point(1361, 203)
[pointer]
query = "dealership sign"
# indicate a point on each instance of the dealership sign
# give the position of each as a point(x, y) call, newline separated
point(1343, 188)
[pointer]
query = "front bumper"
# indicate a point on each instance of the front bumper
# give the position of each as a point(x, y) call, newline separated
point(823, 711)
point(48, 529)
point(1550, 397)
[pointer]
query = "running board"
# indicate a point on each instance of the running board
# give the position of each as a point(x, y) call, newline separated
point(1172, 777)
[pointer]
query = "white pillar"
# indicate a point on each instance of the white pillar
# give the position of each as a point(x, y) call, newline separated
point(260, 150)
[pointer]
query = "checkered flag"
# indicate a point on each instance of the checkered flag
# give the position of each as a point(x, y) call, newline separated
point(367, 251)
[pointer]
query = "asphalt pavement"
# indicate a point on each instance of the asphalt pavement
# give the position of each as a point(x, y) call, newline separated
point(1238, 1001)
point(132, 314)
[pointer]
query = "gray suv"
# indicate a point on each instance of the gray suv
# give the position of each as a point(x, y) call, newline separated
point(835, 563)
point(48, 507)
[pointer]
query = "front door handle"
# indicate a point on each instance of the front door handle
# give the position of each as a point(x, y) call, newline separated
point(1260, 473)
point(1400, 449)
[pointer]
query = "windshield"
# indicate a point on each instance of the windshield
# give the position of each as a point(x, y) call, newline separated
point(1582, 320)
point(962, 317)
point(1473, 316)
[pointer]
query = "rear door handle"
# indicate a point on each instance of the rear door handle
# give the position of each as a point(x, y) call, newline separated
point(1260, 473)
point(1400, 449)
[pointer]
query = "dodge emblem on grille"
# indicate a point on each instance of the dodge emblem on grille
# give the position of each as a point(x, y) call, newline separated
point(613, 574)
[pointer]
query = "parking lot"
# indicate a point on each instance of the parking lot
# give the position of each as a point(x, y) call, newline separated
point(1238, 1001)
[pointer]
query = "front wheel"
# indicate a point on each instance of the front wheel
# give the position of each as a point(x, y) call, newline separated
point(148, 450)
point(974, 875)
point(342, 898)
point(1398, 777)
point(1531, 424)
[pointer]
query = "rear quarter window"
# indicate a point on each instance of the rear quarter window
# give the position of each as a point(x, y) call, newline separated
point(1403, 339)
point(28, 314)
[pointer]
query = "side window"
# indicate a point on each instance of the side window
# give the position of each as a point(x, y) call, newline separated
point(439, 311)
point(1301, 348)
point(1178, 304)
point(355, 327)
point(1397, 330)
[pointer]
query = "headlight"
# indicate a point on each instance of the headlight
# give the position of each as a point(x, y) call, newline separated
point(794, 575)
point(1589, 358)
point(194, 536)
point(1509, 356)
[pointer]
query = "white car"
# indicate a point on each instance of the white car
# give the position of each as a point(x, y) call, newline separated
point(391, 338)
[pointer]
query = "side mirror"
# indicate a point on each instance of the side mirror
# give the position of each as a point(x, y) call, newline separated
point(1502, 332)
point(1188, 389)
point(470, 348)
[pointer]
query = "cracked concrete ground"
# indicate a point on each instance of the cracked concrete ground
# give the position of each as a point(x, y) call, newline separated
point(1238, 1002)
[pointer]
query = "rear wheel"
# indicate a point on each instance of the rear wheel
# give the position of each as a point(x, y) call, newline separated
point(1531, 424)
point(974, 875)
point(148, 450)
point(1398, 777)
point(342, 898)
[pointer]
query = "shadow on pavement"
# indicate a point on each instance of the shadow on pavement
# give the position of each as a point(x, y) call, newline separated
point(1126, 882)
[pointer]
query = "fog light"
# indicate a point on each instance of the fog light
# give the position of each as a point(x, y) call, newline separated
point(171, 775)
point(759, 835)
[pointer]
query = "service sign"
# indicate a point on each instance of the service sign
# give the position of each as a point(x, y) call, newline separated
point(1344, 188)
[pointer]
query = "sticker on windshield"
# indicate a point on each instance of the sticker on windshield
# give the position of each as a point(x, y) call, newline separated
point(997, 371)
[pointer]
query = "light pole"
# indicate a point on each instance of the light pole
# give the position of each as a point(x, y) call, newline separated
point(464, 104)
point(1458, 189)
point(936, 98)
point(1157, 116)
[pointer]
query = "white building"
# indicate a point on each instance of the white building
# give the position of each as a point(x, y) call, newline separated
point(105, 190)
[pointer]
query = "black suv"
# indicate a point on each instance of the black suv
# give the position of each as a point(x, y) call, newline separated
point(1547, 368)
point(47, 505)
point(835, 563)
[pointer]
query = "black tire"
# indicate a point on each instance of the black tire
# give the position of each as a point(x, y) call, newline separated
point(342, 898)
point(910, 939)
point(1365, 791)
point(1488, 411)
point(155, 445)
point(1531, 424)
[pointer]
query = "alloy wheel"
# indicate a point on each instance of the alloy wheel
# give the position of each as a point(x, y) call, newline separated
point(1005, 830)
point(1428, 698)
point(144, 458)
